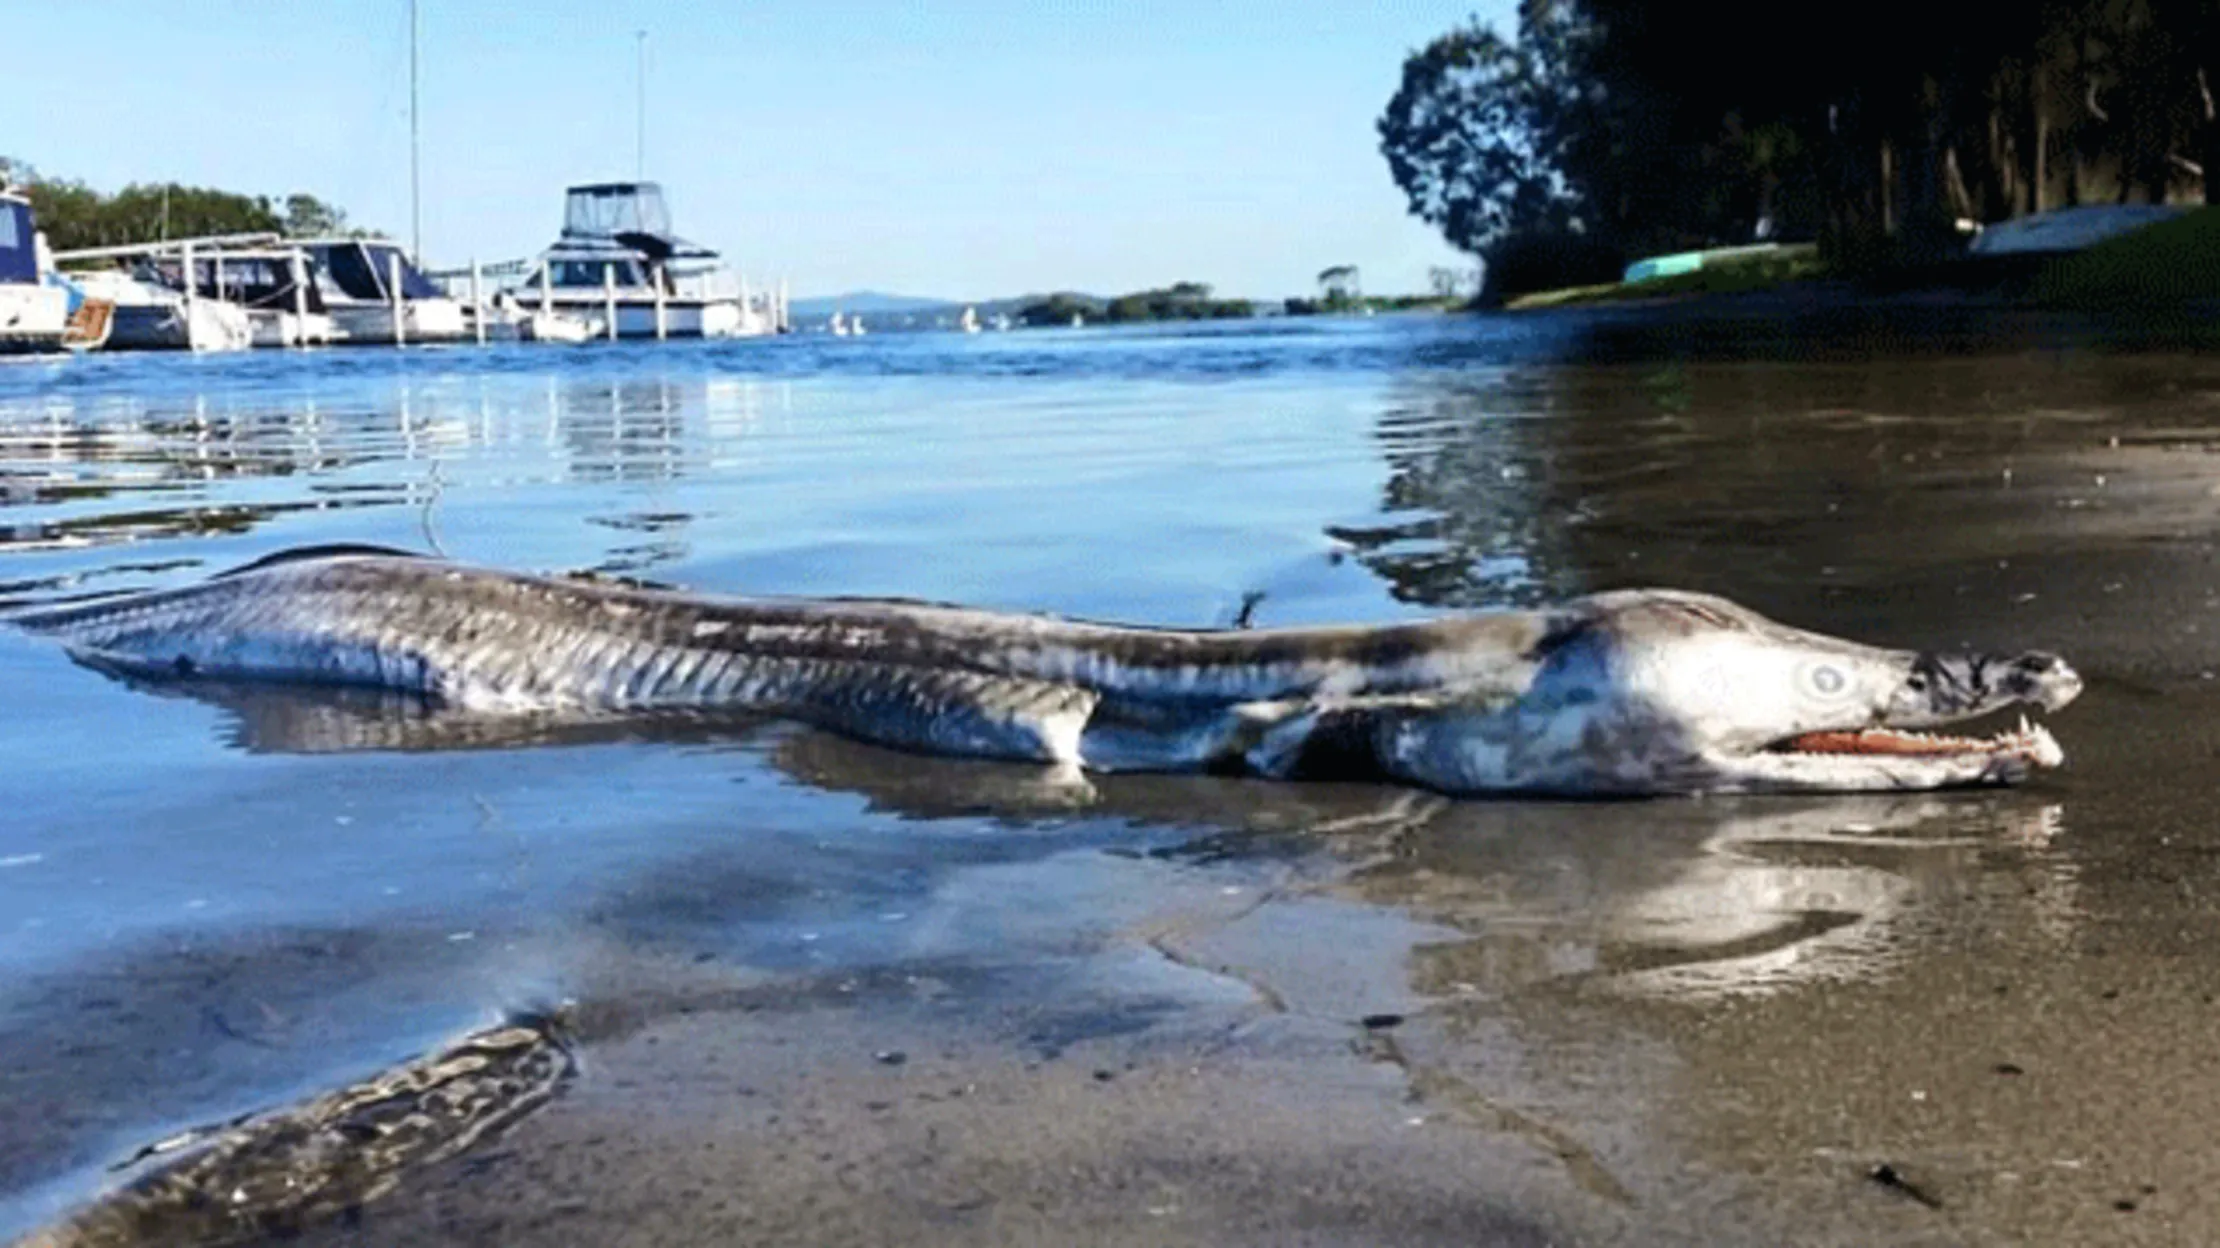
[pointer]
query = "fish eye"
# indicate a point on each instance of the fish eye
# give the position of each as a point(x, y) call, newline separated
point(1827, 681)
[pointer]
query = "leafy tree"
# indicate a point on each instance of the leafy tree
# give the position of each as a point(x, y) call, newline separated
point(74, 215)
point(1475, 135)
point(1637, 125)
point(1058, 309)
point(1181, 301)
point(309, 217)
point(1338, 287)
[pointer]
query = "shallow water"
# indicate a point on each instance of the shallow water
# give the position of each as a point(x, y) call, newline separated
point(214, 901)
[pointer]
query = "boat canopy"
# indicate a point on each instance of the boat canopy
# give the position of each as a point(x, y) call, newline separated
point(359, 269)
point(629, 214)
point(19, 253)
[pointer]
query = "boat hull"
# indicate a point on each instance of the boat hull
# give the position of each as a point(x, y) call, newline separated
point(166, 326)
point(33, 319)
point(424, 320)
point(636, 316)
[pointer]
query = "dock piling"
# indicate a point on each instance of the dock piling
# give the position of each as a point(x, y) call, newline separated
point(192, 295)
point(299, 269)
point(477, 300)
point(393, 288)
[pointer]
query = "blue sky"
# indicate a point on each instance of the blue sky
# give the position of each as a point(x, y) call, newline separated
point(966, 150)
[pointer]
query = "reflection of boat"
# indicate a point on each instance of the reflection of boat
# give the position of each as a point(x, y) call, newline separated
point(618, 264)
point(969, 321)
point(536, 326)
point(34, 313)
point(364, 282)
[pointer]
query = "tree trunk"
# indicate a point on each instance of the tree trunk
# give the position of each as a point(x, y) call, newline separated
point(2000, 184)
point(2212, 138)
point(1888, 189)
point(2040, 187)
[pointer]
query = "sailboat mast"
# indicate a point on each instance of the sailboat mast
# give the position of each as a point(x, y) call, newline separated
point(640, 110)
point(416, 201)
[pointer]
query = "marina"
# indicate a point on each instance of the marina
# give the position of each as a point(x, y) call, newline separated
point(616, 272)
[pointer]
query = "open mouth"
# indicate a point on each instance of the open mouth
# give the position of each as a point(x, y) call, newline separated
point(2030, 741)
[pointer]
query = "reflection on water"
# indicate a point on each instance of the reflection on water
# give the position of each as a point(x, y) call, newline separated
point(1683, 899)
point(113, 472)
point(1692, 900)
point(1765, 481)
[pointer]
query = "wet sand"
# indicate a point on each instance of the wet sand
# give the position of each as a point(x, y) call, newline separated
point(1358, 1016)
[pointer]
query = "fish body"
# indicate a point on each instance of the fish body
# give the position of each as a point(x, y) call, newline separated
point(1635, 692)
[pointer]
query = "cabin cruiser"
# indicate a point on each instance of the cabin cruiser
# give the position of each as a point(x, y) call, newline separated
point(151, 315)
point(34, 313)
point(244, 290)
point(618, 268)
point(362, 282)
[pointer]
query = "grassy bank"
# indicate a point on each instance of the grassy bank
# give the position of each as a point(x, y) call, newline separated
point(1728, 275)
point(2164, 266)
point(2171, 263)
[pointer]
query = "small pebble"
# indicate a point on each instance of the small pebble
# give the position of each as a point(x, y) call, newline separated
point(2009, 1068)
point(890, 1057)
point(1381, 1022)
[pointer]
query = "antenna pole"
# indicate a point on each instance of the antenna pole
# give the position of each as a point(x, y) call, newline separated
point(640, 150)
point(416, 202)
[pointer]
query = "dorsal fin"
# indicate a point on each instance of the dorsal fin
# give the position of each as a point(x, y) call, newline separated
point(329, 550)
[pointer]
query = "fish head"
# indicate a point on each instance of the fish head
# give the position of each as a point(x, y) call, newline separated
point(1748, 704)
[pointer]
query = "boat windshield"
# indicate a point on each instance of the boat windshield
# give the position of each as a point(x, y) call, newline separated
point(613, 208)
point(590, 273)
point(360, 270)
point(19, 257)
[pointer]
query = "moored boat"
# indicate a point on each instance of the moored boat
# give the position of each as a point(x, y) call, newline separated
point(618, 266)
point(366, 284)
point(34, 313)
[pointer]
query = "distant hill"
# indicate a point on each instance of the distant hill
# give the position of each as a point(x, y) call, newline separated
point(817, 307)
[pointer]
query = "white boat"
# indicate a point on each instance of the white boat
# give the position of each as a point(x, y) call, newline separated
point(855, 326)
point(355, 280)
point(34, 313)
point(838, 325)
point(969, 321)
point(617, 265)
point(273, 284)
point(151, 316)
point(244, 290)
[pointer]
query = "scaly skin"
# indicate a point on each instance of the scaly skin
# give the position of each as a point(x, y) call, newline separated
point(1634, 692)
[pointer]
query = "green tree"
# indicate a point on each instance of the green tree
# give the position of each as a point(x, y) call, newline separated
point(73, 215)
point(1469, 138)
point(309, 217)
point(1338, 288)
